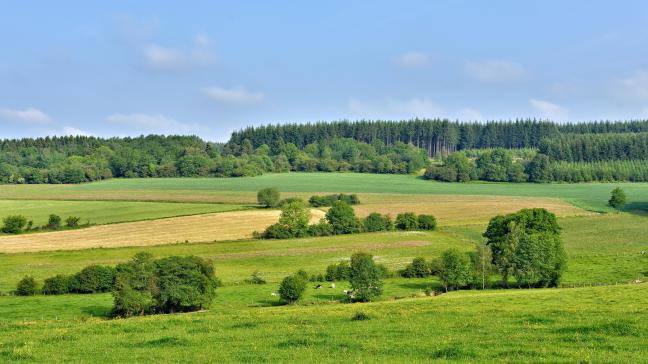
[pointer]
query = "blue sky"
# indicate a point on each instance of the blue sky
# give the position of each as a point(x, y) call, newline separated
point(117, 68)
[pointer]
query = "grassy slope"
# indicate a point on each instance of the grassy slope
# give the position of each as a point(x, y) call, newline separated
point(588, 195)
point(106, 212)
point(604, 324)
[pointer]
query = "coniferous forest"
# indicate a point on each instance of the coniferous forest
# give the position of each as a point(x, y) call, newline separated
point(515, 151)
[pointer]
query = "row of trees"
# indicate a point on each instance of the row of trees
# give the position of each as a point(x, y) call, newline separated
point(17, 224)
point(596, 147)
point(294, 222)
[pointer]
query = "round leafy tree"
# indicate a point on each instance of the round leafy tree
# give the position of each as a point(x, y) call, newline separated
point(342, 218)
point(292, 288)
point(617, 198)
point(365, 277)
point(269, 197)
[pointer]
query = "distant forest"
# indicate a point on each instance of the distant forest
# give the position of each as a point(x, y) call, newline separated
point(516, 151)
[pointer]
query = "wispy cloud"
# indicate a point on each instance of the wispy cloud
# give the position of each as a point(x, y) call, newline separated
point(390, 108)
point(412, 59)
point(236, 95)
point(29, 115)
point(549, 110)
point(161, 58)
point(70, 130)
point(148, 123)
point(469, 114)
point(495, 70)
point(635, 86)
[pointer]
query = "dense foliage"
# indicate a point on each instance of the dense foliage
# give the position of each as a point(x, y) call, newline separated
point(596, 147)
point(167, 285)
point(365, 277)
point(329, 200)
point(292, 288)
point(617, 198)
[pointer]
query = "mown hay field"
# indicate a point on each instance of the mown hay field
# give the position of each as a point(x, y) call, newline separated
point(195, 228)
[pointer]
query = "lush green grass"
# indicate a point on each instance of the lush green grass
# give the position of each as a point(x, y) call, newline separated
point(106, 212)
point(591, 196)
point(602, 324)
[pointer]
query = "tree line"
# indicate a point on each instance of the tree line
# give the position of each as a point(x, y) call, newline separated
point(596, 147)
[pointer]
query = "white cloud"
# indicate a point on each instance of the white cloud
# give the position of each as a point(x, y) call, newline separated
point(236, 95)
point(147, 123)
point(549, 110)
point(412, 59)
point(495, 70)
point(29, 115)
point(70, 130)
point(161, 58)
point(390, 108)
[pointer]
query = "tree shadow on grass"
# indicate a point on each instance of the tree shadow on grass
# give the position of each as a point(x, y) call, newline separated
point(330, 297)
point(269, 303)
point(639, 208)
point(97, 311)
point(420, 285)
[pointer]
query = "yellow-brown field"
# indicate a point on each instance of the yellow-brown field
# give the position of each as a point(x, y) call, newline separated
point(198, 228)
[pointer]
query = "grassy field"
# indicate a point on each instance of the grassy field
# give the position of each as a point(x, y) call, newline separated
point(605, 324)
point(591, 196)
point(106, 212)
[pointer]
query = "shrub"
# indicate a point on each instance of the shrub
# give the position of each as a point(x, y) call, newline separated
point(59, 284)
point(337, 272)
point(293, 222)
point(329, 200)
point(322, 228)
point(14, 224)
point(292, 288)
point(173, 284)
point(277, 231)
point(426, 222)
point(26, 287)
point(342, 218)
point(365, 277)
point(54, 222)
point(617, 198)
point(269, 197)
point(95, 279)
point(360, 316)
point(72, 221)
point(376, 222)
point(419, 268)
point(288, 200)
point(256, 278)
point(407, 221)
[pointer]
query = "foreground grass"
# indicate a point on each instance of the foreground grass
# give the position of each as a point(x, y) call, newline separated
point(590, 196)
point(602, 324)
point(106, 212)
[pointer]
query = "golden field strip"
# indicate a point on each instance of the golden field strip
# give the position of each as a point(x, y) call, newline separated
point(196, 228)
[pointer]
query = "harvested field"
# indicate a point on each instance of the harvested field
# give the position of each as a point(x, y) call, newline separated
point(461, 210)
point(197, 228)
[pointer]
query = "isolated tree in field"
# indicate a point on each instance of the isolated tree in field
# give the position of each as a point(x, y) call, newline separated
point(454, 270)
point(14, 224)
point(72, 221)
point(292, 288)
point(365, 277)
point(26, 287)
point(54, 222)
point(342, 218)
point(617, 198)
point(407, 221)
point(269, 197)
point(529, 234)
point(185, 283)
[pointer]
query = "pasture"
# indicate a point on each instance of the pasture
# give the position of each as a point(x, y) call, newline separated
point(133, 215)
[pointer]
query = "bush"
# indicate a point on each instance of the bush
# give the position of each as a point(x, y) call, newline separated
point(256, 278)
point(376, 222)
point(323, 228)
point(365, 277)
point(54, 222)
point(173, 284)
point(72, 221)
point(59, 284)
point(337, 272)
point(360, 316)
point(617, 198)
point(407, 221)
point(269, 197)
point(293, 222)
point(419, 268)
point(277, 231)
point(26, 287)
point(94, 279)
point(292, 288)
point(426, 222)
point(342, 218)
point(288, 200)
point(329, 200)
point(14, 224)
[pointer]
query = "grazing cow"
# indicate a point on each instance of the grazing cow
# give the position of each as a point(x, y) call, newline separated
point(332, 285)
point(273, 294)
point(318, 286)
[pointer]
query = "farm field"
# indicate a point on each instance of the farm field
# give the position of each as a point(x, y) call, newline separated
point(106, 212)
point(590, 196)
point(599, 324)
